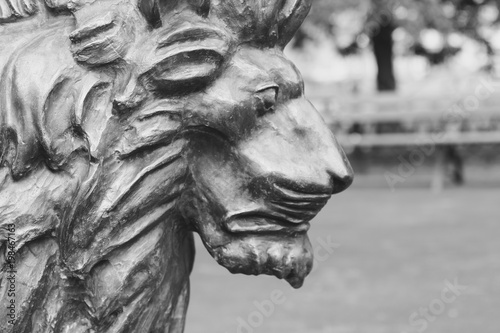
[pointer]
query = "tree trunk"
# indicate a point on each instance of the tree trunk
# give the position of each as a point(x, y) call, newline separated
point(383, 50)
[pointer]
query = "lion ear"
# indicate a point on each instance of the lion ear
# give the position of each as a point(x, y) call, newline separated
point(186, 59)
point(290, 18)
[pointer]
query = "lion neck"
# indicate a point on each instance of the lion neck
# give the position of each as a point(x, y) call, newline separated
point(127, 238)
point(126, 252)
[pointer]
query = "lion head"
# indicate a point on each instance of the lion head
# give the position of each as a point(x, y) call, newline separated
point(262, 164)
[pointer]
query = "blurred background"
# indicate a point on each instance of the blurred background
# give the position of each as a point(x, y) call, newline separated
point(411, 89)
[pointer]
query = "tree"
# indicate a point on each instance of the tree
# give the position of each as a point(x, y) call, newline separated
point(382, 17)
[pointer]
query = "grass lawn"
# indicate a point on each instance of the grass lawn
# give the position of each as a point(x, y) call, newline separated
point(396, 251)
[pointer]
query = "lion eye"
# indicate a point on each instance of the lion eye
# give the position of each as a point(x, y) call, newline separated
point(266, 99)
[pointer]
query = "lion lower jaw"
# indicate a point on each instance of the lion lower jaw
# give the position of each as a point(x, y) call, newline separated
point(290, 259)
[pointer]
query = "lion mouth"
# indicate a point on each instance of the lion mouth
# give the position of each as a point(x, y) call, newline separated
point(289, 212)
point(265, 222)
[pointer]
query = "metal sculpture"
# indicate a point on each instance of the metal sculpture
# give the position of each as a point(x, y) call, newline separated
point(128, 125)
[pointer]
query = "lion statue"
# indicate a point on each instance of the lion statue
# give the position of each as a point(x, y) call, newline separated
point(127, 126)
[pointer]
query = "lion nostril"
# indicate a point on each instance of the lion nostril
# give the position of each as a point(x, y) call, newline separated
point(342, 182)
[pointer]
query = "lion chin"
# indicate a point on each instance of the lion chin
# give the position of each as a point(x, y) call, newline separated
point(289, 258)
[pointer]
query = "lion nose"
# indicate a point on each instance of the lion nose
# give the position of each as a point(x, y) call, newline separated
point(339, 169)
point(342, 181)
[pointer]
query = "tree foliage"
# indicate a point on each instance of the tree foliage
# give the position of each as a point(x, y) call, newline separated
point(466, 17)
